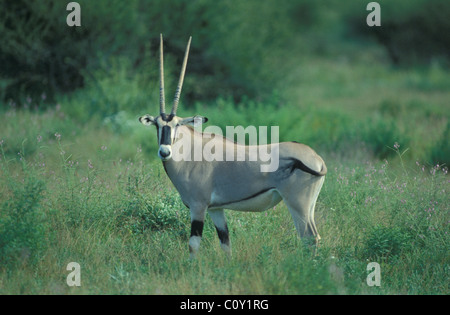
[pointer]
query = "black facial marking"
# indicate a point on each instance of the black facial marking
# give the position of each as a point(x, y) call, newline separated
point(165, 135)
point(167, 118)
point(170, 117)
point(196, 228)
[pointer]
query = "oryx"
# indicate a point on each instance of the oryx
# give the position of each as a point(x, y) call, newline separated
point(236, 185)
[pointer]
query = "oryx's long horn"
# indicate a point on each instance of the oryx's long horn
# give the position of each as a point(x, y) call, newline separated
point(180, 82)
point(162, 103)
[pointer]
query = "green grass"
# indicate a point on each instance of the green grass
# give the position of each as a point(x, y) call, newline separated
point(91, 191)
point(128, 229)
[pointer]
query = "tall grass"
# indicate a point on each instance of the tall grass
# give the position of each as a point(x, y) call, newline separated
point(92, 198)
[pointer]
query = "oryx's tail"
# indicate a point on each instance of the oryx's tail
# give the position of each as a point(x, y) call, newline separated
point(296, 163)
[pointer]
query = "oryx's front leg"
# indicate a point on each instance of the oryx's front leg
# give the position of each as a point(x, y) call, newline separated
point(197, 221)
point(218, 218)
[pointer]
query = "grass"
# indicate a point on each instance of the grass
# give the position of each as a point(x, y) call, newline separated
point(93, 192)
point(129, 233)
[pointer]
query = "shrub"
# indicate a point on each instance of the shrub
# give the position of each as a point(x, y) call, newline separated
point(40, 53)
point(23, 227)
point(145, 212)
point(381, 132)
point(411, 31)
point(440, 153)
point(386, 242)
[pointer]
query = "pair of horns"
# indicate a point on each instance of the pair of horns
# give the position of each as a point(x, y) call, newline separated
point(162, 104)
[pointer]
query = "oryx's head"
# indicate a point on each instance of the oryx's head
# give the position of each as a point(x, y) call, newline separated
point(166, 125)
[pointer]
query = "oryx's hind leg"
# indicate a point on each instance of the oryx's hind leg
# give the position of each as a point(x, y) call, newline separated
point(312, 211)
point(300, 199)
point(218, 218)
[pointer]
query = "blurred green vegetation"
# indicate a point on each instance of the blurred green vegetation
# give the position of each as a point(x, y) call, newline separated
point(240, 48)
point(41, 54)
point(413, 31)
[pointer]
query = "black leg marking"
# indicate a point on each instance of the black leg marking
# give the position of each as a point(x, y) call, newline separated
point(196, 236)
point(196, 228)
point(223, 235)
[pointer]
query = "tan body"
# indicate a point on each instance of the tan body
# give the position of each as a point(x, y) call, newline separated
point(214, 184)
point(240, 185)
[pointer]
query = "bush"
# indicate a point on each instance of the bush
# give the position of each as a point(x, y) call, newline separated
point(23, 227)
point(440, 153)
point(40, 53)
point(113, 89)
point(380, 133)
point(411, 31)
point(144, 212)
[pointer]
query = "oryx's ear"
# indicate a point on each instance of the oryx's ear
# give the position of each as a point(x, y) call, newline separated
point(147, 120)
point(194, 120)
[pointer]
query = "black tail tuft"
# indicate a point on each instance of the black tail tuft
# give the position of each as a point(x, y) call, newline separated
point(300, 165)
